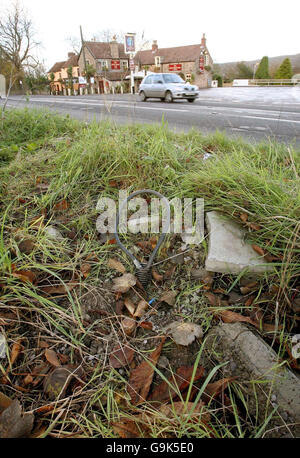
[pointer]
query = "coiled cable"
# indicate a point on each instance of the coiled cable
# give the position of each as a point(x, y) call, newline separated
point(144, 269)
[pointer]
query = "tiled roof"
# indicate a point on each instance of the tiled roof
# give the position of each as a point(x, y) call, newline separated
point(72, 61)
point(178, 54)
point(56, 67)
point(101, 50)
point(115, 76)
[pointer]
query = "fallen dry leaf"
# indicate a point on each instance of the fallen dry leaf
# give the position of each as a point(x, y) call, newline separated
point(169, 297)
point(184, 333)
point(124, 283)
point(62, 205)
point(15, 351)
point(128, 325)
point(121, 356)
point(61, 289)
point(28, 379)
point(52, 358)
point(145, 246)
point(57, 382)
point(26, 246)
point(85, 269)
point(258, 250)
point(180, 381)
point(213, 299)
point(180, 411)
point(146, 325)
point(232, 317)
point(7, 319)
point(117, 265)
point(5, 402)
point(244, 217)
point(129, 305)
point(214, 389)
point(24, 275)
point(127, 429)
point(169, 273)
point(141, 308)
point(12, 424)
point(157, 277)
point(254, 227)
point(141, 377)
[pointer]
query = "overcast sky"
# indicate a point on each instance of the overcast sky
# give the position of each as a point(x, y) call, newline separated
point(235, 30)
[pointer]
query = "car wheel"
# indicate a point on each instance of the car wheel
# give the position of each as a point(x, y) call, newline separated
point(191, 100)
point(142, 96)
point(168, 97)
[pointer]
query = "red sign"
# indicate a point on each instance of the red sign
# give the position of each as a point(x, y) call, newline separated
point(201, 64)
point(115, 65)
point(175, 67)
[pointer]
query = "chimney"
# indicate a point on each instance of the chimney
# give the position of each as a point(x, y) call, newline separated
point(114, 48)
point(71, 54)
point(203, 41)
point(154, 46)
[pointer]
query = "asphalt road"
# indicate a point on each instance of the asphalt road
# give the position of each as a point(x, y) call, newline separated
point(253, 113)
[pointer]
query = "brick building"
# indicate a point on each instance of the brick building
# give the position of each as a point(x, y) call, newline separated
point(60, 71)
point(192, 62)
point(110, 62)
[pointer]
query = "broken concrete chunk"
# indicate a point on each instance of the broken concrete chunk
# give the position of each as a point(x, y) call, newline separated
point(227, 251)
point(248, 353)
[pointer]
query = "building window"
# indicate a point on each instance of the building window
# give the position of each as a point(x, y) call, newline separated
point(206, 59)
point(103, 64)
point(157, 61)
point(87, 62)
point(124, 64)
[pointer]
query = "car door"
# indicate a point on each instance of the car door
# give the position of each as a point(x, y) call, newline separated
point(157, 86)
point(147, 86)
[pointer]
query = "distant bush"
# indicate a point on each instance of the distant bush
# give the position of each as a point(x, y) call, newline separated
point(219, 79)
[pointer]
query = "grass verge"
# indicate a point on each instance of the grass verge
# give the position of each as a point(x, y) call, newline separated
point(53, 171)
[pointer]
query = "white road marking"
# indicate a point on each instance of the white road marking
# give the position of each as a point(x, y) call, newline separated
point(108, 105)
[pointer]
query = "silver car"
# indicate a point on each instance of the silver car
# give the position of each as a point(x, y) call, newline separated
point(167, 87)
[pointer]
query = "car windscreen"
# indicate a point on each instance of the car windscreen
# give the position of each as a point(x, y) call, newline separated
point(172, 79)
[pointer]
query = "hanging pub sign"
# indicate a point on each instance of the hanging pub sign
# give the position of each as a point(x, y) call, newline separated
point(129, 43)
point(115, 65)
point(175, 67)
point(201, 64)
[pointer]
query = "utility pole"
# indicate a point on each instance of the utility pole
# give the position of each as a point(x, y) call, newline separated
point(83, 52)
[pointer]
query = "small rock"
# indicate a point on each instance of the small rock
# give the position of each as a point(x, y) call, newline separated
point(163, 362)
point(53, 233)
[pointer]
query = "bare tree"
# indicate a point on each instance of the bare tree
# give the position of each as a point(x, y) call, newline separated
point(75, 43)
point(17, 41)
